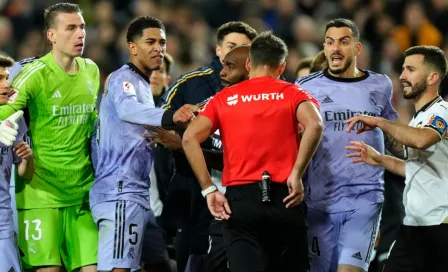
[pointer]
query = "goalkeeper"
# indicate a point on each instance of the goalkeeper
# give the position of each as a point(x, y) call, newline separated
point(59, 91)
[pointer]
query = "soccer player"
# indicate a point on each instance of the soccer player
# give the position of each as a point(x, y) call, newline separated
point(12, 132)
point(184, 198)
point(344, 202)
point(59, 90)
point(303, 68)
point(119, 197)
point(261, 233)
point(422, 241)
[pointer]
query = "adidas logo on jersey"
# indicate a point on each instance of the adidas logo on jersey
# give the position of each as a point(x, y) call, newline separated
point(357, 255)
point(12, 269)
point(57, 94)
point(327, 99)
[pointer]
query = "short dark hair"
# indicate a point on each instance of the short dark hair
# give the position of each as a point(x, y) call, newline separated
point(235, 27)
point(342, 22)
point(304, 63)
point(267, 49)
point(432, 56)
point(136, 27)
point(6, 61)
point(51, 12)
point(319, 62)
point(169, 61)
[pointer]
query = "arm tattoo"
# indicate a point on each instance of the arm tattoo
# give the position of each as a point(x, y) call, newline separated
point(393, 146)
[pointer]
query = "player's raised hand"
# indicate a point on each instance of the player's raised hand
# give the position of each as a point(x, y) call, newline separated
point(168, 138)
point(363, 153)
point(218, 205)
point(23, 150)
point(296, 191)
point(185, 114)
point(9, 127)
point(369, 123)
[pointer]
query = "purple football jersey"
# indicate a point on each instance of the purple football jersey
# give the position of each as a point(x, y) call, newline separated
point(333, 184)
point(124, 159)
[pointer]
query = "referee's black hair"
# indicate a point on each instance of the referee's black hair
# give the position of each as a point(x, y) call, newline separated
point(138, 25)
point(432, 55)
point(267, 49)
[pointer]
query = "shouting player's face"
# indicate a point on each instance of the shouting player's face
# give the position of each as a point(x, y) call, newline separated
point(150, 48)
point(340, 48)
point(68, 34)
point(234, 67)
point(4, 85)
point(414, 76)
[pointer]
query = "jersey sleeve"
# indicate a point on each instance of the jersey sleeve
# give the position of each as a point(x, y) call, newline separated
point(122, 91)
point(173, 98)
point(300, 95)
point(25, 84)
point(438, 120)
point(210, 111)
point(389, 112)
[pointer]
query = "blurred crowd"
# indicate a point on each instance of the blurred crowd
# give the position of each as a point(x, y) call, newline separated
point(387, 27)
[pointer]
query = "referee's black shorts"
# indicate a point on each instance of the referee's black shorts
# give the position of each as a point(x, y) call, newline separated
point(419, 249)
point(265, 237)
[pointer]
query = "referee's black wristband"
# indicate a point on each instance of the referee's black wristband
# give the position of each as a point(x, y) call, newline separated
point(167, 118)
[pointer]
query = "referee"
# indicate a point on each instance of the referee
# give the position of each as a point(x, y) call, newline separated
point(421, 243)
point(265, 219)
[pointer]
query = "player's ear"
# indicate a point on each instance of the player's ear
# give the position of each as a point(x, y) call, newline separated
point(218, 50)
point(358, 48)
point(167, 80)
point(433, 78)
point(132, 48)
point(51, 36)
point(282, 68)
point(248, 64)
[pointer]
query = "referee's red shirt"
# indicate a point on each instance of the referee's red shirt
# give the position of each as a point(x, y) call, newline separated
point(258, 127)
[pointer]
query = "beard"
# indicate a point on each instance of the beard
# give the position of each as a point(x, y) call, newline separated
point(344, 68)
point(416, 89)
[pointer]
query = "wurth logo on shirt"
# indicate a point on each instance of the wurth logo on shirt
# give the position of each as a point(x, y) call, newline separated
point(233, 100)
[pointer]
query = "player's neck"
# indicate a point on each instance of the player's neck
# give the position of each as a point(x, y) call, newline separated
point(140, 67)
point(429, 95)
point(263, 71)
point(351, 72)
point(68, 64)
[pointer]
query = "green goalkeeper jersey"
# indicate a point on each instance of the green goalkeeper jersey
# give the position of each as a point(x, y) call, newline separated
point(62, 113)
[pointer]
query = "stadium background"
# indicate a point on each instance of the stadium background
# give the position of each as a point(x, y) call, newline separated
point(387, 28)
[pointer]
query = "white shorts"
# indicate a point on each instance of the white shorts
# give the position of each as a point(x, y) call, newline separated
point(121, 226)
point(10, 260)
point(342, 238)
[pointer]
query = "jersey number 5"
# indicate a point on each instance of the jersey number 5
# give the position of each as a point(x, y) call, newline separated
point(134, 233)
point(37, 229)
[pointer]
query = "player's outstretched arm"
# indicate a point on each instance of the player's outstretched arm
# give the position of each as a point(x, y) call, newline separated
point(419, 138)
point(367, 154)
point(25, 168)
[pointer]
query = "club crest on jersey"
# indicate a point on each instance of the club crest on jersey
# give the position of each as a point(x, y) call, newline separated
point(372, 98)
point(12, 95)
point(438, 124)
point(128, 88)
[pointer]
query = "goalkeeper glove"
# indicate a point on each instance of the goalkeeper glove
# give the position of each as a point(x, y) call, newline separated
point(9, 127)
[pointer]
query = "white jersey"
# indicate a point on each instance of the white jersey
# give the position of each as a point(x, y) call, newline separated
point(425, 196)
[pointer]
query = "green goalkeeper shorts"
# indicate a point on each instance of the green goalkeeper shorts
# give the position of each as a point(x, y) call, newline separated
point(48, 235)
